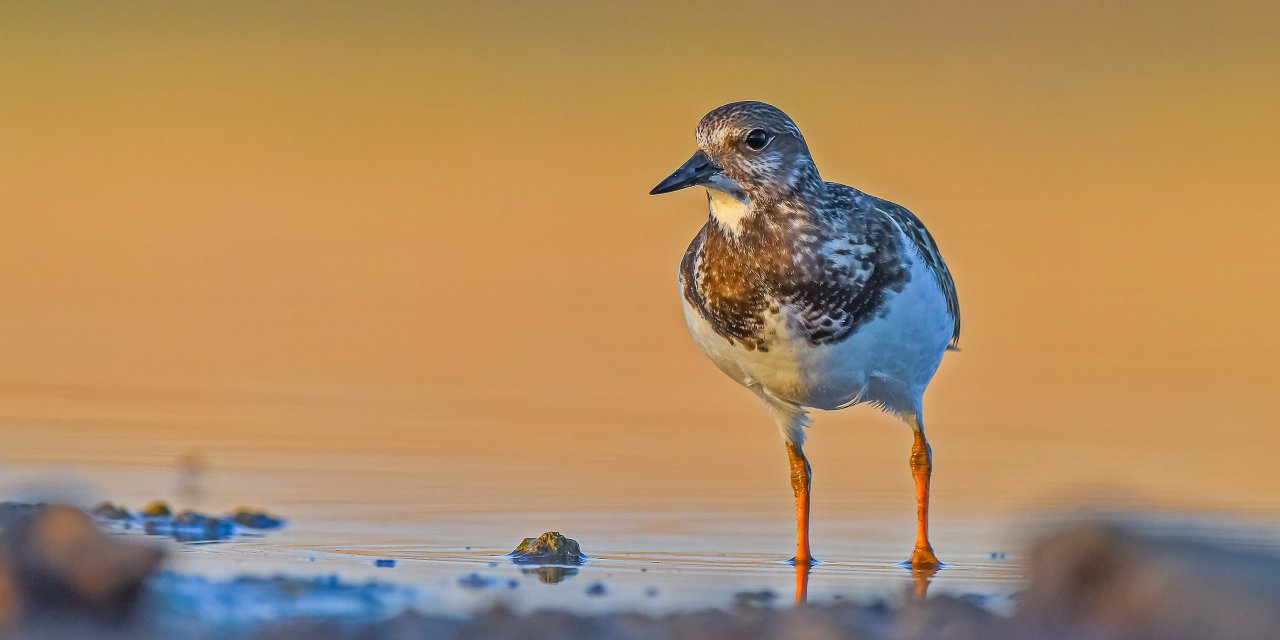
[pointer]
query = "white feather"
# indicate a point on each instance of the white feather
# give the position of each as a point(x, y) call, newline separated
point(729, 203)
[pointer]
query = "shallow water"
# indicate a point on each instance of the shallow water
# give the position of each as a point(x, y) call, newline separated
point(447, 522)
point(453, 557)
point(460, 565)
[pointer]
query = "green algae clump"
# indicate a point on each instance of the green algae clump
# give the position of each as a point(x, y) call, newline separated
point(157, 509)
point(253, 519)
point(548, 548)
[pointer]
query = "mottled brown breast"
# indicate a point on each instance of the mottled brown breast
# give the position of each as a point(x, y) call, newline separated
point(830, 274)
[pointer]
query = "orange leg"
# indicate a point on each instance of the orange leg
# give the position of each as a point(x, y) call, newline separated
point(800, 475)
point(921, 468)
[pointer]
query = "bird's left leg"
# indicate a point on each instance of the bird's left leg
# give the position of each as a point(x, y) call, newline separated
point(921, 470)
point(800, 475)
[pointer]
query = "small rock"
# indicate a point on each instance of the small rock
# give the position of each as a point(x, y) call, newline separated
point(596, 589)
point(251, 519)
point(191, 526)
point(108, 511)
point(159, 519)
point(549, 548)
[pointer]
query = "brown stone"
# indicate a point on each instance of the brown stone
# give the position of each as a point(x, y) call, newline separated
point(55, 561)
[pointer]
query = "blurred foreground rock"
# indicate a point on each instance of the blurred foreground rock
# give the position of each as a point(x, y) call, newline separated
point(1100, 581)
point(55, 563)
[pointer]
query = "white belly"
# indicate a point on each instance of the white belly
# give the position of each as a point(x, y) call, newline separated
point(888, 361)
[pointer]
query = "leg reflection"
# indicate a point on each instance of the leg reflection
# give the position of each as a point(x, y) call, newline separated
point(802, 582)
point(922, 576)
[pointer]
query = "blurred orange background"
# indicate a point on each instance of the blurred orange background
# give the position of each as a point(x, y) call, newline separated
point(418, 234)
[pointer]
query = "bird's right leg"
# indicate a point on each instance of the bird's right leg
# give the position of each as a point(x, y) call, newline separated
point(791, 420)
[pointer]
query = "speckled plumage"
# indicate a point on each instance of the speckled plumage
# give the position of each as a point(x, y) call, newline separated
point(830, 271)
point(810, 293)
point(806, 263)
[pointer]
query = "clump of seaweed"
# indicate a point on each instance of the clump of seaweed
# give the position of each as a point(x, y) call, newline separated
point(157, 509)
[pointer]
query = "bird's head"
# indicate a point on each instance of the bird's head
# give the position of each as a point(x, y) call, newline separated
point(750, 150)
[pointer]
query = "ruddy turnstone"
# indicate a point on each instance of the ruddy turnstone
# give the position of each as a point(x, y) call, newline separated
point(810, 293)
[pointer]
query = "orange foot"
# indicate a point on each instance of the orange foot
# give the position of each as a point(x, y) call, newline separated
point(802, 560)
point(924, 558)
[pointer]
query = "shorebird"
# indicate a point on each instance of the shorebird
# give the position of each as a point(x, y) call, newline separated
point(812, 294)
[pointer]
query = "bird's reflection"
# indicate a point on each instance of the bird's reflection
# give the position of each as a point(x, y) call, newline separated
point(802, 582)
point(921, 577)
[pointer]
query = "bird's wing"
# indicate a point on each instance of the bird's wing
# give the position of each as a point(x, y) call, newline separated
point(919, 236)
point(841, 280)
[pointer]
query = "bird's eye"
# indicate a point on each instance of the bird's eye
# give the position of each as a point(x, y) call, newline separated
point(757, 139)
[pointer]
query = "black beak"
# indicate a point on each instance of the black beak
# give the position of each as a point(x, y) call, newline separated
point(696, 171)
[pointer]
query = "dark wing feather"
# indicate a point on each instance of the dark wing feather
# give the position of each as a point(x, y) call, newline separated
point(924, 244)
point(844, 279)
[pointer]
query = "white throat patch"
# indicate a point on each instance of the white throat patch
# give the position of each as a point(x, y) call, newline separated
point(729, 202)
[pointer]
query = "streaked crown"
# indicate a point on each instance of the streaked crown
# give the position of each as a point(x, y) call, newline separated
point(759, 147)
